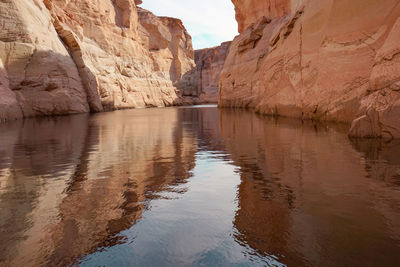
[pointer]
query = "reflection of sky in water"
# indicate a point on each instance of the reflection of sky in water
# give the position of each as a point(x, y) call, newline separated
point(190, 229)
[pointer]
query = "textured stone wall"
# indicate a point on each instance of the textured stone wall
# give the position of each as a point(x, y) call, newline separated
point(327, 60)
point(209, 64)
point(64, 57)
point(200, 85)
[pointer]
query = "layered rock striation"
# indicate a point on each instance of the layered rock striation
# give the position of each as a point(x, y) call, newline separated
point(200, 85)
point(65, 57)
point(325, 60)
point(209, 64)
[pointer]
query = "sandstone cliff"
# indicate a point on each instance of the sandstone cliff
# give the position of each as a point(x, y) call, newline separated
point(209, 64)
point(200, 85)
point(64, 57)
point(319, 59)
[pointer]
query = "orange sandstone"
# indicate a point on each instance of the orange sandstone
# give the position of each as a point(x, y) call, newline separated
point(318, 59)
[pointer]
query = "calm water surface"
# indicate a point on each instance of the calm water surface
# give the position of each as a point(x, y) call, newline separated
point(195, 187)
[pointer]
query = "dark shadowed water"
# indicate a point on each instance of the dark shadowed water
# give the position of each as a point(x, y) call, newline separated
point(195, 187)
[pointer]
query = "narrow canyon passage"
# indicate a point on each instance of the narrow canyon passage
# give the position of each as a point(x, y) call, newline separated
point(195, 186)
point(199, 133)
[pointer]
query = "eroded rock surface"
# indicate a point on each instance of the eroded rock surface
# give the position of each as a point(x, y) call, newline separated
point(209, 64)
point(38, 75)
point(327, 60)
point(200, 85)
point(251, 11)
point(64, 57)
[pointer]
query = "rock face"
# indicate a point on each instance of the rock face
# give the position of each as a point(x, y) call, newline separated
point(252, 11)
point(64, 57)
point(201, 84)
point(38, 76)
point(209, 64)
point(318, 59)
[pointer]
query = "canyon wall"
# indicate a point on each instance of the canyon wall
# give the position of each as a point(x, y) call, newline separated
point(209, 64)
point(200, 85)
point(318, 59)
point(65, 57)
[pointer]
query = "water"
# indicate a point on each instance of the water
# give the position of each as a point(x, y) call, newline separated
point(195, 186)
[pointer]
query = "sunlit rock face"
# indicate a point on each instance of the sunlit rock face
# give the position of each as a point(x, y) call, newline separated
point(63, 57)
point(134, 56)
point(327, 60)
point(37, 74)
point(169, 44)
point(251, 11)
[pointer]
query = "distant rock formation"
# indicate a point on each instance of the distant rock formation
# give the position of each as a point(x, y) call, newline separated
point(65, 57)
point(202, 83)
point(209, 64)
point(318, 59)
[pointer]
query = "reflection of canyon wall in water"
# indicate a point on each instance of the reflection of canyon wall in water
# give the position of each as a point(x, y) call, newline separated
point(303, 187)
point(69, 185)
point(88, 184)
point(42, 149)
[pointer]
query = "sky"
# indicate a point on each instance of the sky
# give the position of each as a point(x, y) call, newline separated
point(209, 22)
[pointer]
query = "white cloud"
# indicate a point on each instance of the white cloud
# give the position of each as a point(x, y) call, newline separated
point(209, 22)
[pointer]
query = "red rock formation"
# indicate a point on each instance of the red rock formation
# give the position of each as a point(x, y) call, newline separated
point(252, 11)
point(39, 77)
point(209, 64)
point(200, 85)
point(63, 57)
point(327, 60)
point(169, 44)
